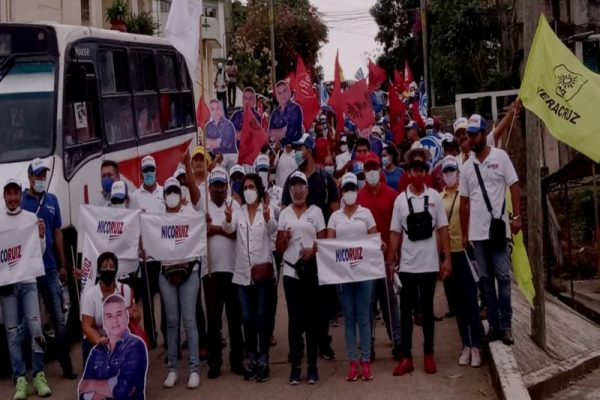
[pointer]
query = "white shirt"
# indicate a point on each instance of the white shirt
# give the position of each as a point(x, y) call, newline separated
point(222, 249)
point(462, 158)
point(92, 302)
point(304, 233)
point(201, 204)
point(253, 243)
point(355, 227)
point(152, 202)
point(286, 164)
point(342, 159)
point(498, 173)
point(101, 200)
point(422, 255)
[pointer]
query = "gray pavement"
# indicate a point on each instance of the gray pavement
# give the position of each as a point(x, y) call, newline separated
point(451, 381)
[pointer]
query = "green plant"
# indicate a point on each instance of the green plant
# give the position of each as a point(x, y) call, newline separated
point(142, 23)
point(118, 11)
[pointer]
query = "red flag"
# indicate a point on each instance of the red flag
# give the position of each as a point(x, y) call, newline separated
point(335, 98)
point(417, 115)
point(305, 95)
point(252, 138)
point(399, 81)
point(397, 107)
point(291, 78)
point(398, 131)
point(408, 76)
point(202, 113)
point(377, 76)
point(356, 103)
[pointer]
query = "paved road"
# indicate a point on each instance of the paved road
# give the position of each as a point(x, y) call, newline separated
point(451, 381)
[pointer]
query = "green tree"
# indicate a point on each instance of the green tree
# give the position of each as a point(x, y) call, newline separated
point(299, 29)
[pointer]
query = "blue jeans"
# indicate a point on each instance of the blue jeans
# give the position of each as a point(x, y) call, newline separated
point(466, 307)
point(495, 267)
point(22, 305)
point(256, 305)
point(355, 298)
point(180, 305)
point(49, 287)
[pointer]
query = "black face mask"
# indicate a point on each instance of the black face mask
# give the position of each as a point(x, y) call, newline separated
point(107, 276)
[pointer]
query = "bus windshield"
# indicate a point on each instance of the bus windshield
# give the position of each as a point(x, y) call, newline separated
point(27, 118)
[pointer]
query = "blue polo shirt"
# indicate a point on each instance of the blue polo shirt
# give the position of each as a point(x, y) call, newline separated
point(49, 211)
point(238, 118)
point(225, 131)
point(289, 117)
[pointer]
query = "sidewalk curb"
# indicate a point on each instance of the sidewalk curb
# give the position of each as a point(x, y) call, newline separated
point(505, 372)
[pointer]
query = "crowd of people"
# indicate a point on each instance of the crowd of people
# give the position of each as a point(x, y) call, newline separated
point(440, 216)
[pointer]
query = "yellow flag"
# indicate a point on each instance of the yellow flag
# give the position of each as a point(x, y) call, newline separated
point(562, 92)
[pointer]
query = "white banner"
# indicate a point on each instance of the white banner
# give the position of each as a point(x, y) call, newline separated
point(111, 229)
point(174, 237)
point(182, 30)
point(344, 261)
point(89, 260)
point(20, 254)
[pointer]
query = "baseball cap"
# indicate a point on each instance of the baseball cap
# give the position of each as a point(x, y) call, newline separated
point(172, 182)
point(118, 190)
point(201, 150)
point(37, 166)
point(476, 124)
point(449, 163)
point(448, 138)
point(460, 123)
point(371, 158)
point(429, 122)
point(220, 65)
point(179, 172)
point(349, 178)
point(306, 140)
point(148, 162)
point(377, 129)
point(261, 163)
point(217, 175)
point(298, 176)
point(411, 125)
point(13, 181)
point(358, 167)
point(237, 168)
point(229, 58)
point(344, 139)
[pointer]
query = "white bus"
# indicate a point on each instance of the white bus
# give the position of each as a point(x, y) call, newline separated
point(75, 96)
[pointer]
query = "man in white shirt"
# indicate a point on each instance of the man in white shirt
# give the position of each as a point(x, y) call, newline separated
point(484, 179)
point(285, 164)
point(219, 292)
point(149, 196)
point(343, 161)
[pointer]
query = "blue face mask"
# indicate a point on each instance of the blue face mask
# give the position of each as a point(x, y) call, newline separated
point(298, 158)
point(107, 182)
point(429, 132)
point(149, 178)
point(235, 187)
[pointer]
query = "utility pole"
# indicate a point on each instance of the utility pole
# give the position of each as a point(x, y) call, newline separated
point(535, 222)
point(272, 26)
point(425, 36)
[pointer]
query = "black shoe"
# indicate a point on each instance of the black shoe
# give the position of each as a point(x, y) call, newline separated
point(312, 375)
point(450, 314)
point(295, 376)
point(492, 335)
point(214, 372)
point(70, 375)
point(397, 352)
point(238, 369)
point(263, 374)
point(251, 372)
point(327, 353)
point(507, 338)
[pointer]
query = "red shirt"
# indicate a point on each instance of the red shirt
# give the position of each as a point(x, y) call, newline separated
point(405, 181)
point(381, 204)
point(321, 150)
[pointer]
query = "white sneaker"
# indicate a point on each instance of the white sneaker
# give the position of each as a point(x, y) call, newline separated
point(193, 381)
point(171, 380)
point(465, 356)
point(475, 357)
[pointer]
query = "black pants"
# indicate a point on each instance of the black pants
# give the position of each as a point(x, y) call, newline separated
point(145, 289)
point(418, 290)
point(451, 291)
point(231, 89)
point(327, 310)
point(304, 299)
point(220, 293)
point(200, 319)
point(222, 97)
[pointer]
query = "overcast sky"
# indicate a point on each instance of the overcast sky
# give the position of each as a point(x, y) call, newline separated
point(352, 30)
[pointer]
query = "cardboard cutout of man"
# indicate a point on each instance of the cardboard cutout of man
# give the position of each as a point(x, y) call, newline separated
point(285, 124)
point(117, 370)
point(237, 119)
point(220, 132)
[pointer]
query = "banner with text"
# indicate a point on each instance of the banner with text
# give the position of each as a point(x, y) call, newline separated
point(344, 261)
point(174, 237)
point(20, 254)
point(89, 261)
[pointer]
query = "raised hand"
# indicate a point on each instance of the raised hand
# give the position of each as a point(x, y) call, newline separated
point(266, 210)
point(228, 212)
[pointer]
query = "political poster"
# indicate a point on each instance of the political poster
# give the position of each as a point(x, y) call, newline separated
point(220, 132)
point(177, 237)
point(20, 254)
point(285, 124)
point(116, 368)
point(344, 261)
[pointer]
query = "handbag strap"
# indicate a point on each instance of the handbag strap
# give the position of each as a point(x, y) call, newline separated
point(410, 206)
point(484, 192)
point(452, 206)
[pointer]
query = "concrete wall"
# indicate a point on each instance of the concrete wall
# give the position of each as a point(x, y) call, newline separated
point(61, 11)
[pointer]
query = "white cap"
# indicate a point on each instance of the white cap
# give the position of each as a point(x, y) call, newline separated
point(377, 129)
point(147, 162)
point(449, 162)
point(261, 162)
point(118, 190)
point(349, 178)
point(429, 122)
point(476, 123)
point(236, 168)
point(178, 172)
point(343, 139)
point(37, 166)
point(460, 123)
point(172, 182)
point(13, 181)
point(218, 174)
point(298, 175)
point(448, 137)
point(220, 65)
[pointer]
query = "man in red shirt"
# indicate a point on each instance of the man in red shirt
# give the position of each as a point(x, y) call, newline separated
point(379, 198)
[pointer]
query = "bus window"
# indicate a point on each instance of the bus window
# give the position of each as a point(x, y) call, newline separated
point(143, 77)
point(143, 71)
point(27, 119)
point(167, 77)
point(118, 119)
point(113, 71)
point(147, 114)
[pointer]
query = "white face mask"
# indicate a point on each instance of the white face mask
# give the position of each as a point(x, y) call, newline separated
point(39, 186)
point(350, 197)
point(450, 178)
point(373, 177)
point(344, 148)
point(330, 169)
point(385, 160)
point(250, 196)
point(172, 200)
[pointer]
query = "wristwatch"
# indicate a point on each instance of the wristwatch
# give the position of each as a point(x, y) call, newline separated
point(516, 217)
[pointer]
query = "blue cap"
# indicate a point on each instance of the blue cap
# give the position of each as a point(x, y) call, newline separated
point(217, 175)
point(118, 190)
point(476, 124)
point(261, 163)
point(306, 140)
point(358, 167)
point(37, 166)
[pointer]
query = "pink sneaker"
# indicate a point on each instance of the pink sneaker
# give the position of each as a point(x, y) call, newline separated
point(367, 375)
point(352, 371)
